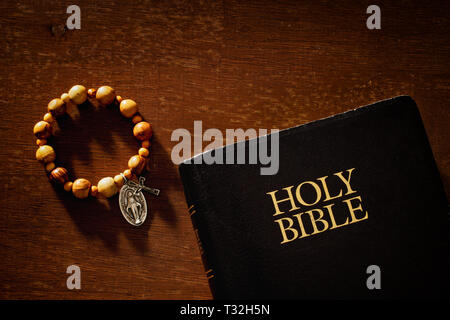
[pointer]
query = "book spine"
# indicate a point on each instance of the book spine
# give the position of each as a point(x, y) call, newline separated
point(196, 210)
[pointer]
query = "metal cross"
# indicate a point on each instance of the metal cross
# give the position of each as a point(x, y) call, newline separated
point(140, 186)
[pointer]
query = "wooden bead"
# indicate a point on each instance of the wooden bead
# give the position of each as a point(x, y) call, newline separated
point(142, 131)
point(50, 166)
point(42, 130)
point(128, 108)
point(65, 97)
point(59, 175)
point(105, 95)
point(78, 94)
point(136, 119)
point(128, 174)
point(56, 107)
point(118, 179)
point(91, 93)
point(94, 191)
point(146, 144)
point(41, 142)
point(136, 164)
point(107, 187)
point(48, 117)
point(81, 188)
point(143, 152)
point(68, 186)
point(45, 154)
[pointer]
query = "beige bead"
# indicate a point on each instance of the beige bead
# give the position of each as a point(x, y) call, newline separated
point(42, 130)
point(118, 179)
point(107, 187)
point(94, 191)
point(65, 97)
point(68, 186)
point(50, 166)
point(91, 93)
point(91, 97)
point(128, 108)
point(142, 131)
point(81, 188)
point(136, 119)
point(128, 174)
point(48, 117)
point(146, 144)
point(45, 154)
point(78, 94)
point(136, 164)
point(41, 142)
point(143, 152)
point(56, 107)
point(105, 95)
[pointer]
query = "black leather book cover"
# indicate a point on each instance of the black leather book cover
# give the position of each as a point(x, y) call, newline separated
point(357, 202)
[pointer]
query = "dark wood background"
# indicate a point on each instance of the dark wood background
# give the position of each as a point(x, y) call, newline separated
point(232, 64)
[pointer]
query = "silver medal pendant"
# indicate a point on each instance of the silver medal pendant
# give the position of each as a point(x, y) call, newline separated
point(132, 202)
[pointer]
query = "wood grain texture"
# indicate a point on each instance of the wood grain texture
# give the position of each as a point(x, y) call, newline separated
point(232, 64)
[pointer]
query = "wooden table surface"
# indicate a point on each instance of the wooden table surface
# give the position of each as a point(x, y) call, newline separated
point(231, 64)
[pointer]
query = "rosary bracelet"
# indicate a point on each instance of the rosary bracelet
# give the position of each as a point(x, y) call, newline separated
point(131, 200)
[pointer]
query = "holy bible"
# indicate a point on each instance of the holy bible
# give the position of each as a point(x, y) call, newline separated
point(356, 210)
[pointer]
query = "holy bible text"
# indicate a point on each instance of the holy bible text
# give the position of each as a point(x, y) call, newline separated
point(312, 207)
